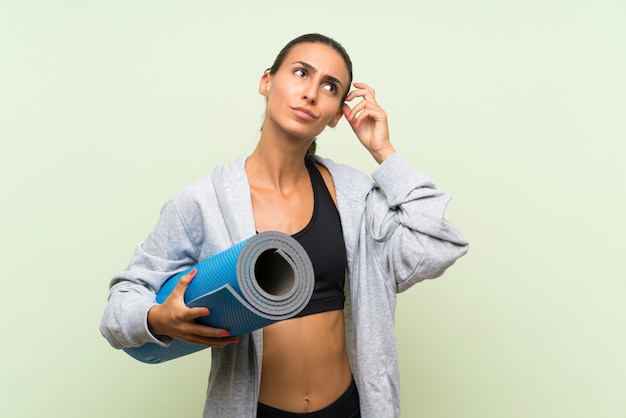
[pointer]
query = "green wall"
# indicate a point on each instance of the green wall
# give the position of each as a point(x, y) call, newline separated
point(518, 108)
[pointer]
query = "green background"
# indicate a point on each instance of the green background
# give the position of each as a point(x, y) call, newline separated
point(518, 108)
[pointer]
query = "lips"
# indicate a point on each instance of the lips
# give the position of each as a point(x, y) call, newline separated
point(304, 113)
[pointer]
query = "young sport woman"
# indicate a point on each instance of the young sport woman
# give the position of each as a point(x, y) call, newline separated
point(368, 239)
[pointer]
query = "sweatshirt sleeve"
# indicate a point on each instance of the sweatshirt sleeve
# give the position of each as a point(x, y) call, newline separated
point(405, 217)
point(168, 249)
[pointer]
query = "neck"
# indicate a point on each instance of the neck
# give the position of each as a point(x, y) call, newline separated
point(278, 157)
point(277, 162)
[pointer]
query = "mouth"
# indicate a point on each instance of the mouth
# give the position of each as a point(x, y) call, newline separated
point(304, 113)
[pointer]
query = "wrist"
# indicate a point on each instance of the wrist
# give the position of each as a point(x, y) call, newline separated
point(153, 322)
point(383, 154)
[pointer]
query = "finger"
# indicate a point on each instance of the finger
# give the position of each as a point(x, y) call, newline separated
point(346, 110)
point(369, 90)
point(363, 90)
point(363, 86)
point(356, 109)
point(362, 111)
point(183, 284)
point(220, 342)
point(211, 341)
point(366, 114)
point(195, 313)
point(359, 107)
point(203, 331)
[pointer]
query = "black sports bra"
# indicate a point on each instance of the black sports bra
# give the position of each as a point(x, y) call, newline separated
point(323, 241)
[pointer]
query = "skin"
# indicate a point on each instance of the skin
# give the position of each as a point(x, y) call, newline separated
point(305, 365)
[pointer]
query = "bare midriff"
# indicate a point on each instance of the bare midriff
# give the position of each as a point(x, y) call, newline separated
point(305, 363)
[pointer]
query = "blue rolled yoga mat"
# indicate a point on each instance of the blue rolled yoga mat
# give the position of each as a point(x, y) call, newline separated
point(264, 279)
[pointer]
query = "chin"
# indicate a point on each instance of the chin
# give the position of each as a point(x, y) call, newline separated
point(302, 132)
point(298, 129)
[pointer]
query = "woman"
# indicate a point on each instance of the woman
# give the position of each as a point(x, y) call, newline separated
point(383, 235)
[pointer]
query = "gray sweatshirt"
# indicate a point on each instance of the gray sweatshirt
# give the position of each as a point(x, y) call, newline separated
point(395, 235)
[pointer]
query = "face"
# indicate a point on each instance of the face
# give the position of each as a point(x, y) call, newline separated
point(306, 93)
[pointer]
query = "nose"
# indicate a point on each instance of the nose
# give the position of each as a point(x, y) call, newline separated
point(309, 93)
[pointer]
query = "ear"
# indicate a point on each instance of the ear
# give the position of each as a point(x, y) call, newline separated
point(335, 119)
point(264, 83)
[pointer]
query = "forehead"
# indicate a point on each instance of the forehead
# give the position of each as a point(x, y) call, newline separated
point(323, 57)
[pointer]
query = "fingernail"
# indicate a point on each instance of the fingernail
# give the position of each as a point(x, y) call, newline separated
point(193, 272)
point(205, 312)
point(225, 334)
point(234, 340)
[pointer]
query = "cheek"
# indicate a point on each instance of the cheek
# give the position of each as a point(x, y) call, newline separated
point(278, 94)
point(332, 108)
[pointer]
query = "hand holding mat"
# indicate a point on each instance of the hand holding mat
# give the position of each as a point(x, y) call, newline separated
point(262, 280)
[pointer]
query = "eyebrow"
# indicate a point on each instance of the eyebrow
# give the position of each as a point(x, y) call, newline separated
point(311, 68)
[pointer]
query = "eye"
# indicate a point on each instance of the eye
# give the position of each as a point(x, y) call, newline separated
point(331, 88)
point(300, 72)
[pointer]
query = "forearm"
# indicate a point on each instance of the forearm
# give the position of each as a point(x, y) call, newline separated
point(412, 240)
point(124, 321)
